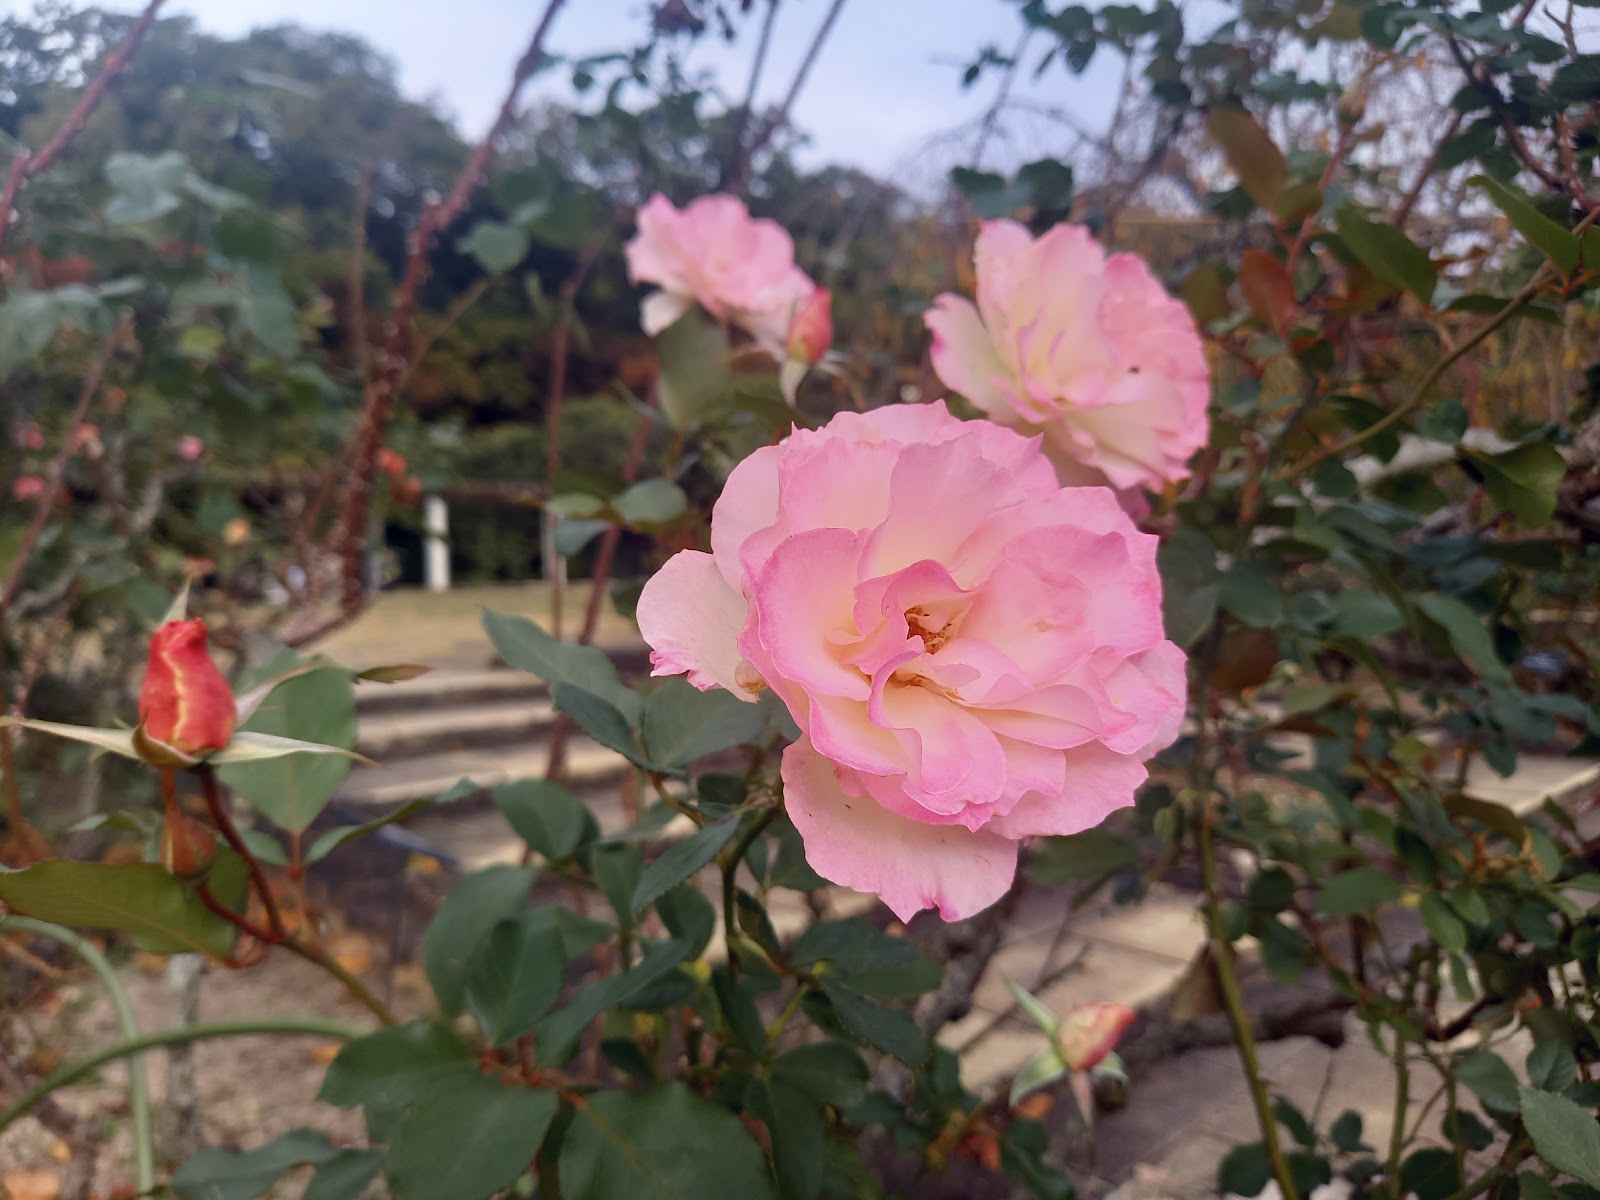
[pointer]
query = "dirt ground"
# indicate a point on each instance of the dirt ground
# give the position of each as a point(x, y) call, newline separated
point(249, 1089)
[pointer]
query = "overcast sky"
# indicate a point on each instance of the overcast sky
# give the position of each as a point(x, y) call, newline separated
point(888, 79)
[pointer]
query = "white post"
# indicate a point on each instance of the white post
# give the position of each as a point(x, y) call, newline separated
point(436, 547)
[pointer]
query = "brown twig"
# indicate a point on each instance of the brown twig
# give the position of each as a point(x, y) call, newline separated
point(775, 120)
point(25, 165)
point(1426, 173)
point(381, 388)
point(741, 124)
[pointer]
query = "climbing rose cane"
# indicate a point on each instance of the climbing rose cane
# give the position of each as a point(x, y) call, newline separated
point(973, 653)
point(185, 702)
point(1086, 349)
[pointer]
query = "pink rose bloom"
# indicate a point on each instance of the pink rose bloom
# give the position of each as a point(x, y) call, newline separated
point(190, 448)
point(737, 267)
point(27, 487)
point(1087, 349)
point(973, 653)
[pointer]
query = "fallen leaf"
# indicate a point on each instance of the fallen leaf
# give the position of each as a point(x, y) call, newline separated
point(43, 1184)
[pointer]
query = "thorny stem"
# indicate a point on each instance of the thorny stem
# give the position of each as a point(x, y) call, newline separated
point(324, 1027)
point(1238, 1015)
point(230, 834)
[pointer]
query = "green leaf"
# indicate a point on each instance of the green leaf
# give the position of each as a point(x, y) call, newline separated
point(1345, 1132)
point(891, 1030)
point(515, 976)
point(1430, 1174)
point(1188, 564)
point(799, 1140)
point(117, 741)
point(345, 1176)
point(1038, 1012)
point(1467, 634)
point(1244, 1170)
point(1388, 253)
point(872, 961)
point(1365, 615)
point(394, 1066)
point(145, 186)
point(328, 842)
point(1559, 244)
point(682, 859)
point(1564, 1135)
point(1092, 854)
point(828, 1072)
point(558, 1033)
point(1447, 928)
point(651, 502)
point(601, 720)
point(1523, 481)
point(1577, 81)
point(696, 376)
point(1357, 891)
point(244, 1175)
point(291, 791)
point(682, 723)
point(1490, 1079)
point(1551, 1066)
point(497, 246)
point(528, 648)
point(665, 1144)
point(479, 902)
point(1257, 162)
point(547, 816)
point(468, 1139)
point(1252, 592)
point(159, 911)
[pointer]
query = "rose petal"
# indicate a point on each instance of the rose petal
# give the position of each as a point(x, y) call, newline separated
point(1098, 782)
point(691, 619)
point(851, 840)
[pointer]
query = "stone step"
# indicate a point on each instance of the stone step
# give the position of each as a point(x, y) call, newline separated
point(392, 735)
point(431, 775)
point(448, 689)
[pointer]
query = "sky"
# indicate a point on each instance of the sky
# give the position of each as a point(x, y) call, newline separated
point(888, 80)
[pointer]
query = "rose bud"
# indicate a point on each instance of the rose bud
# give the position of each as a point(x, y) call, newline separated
point(28, 487)
point(188, 848)
point(190, 448)
point(390, 462)
point(185, 703)
point(811, 332)
point(1091, 1032)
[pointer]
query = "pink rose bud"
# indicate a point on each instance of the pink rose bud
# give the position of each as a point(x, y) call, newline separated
point(86, 440)
point(30, 437)
point(29, 487)
point(973, 653)
point(190, 448)
point(811, 332)
point(1091, 1032)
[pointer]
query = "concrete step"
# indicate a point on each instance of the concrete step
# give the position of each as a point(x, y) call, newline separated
point(391, 735)
point(384, 788)
point(448, 689)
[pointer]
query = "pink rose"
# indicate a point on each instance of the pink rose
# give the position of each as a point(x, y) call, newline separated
point(973, 653)
point(190, 448)
point(28, 487)
point(714, 253)
point(30, 437)
point(1086, 349)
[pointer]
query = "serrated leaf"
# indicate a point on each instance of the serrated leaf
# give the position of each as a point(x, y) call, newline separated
point(467, 1139)
point(515, 976)
point(547, 816)
point(682, 859)
point(529, 648)
point(1490, 1079)
point(1564, 1135)
point(682, 723)
point(479, 902)
point(1523, 481)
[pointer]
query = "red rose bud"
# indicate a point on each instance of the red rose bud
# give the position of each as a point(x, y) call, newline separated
point(185, 702)
point(1091, 1032)
point(391, 463)
point(188, 848)
point(811, 331)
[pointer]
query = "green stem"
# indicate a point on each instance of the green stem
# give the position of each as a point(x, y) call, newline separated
point(354, 986)
point(1402, 1098)
point(324, 1027)
point(789, 1009)
point(1515, 1152)
point(730, 870)
point(1238, 1015)
point(144, 1147)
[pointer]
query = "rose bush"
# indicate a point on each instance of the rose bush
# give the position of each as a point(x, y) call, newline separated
point(973, 653)
point(1084, 348)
